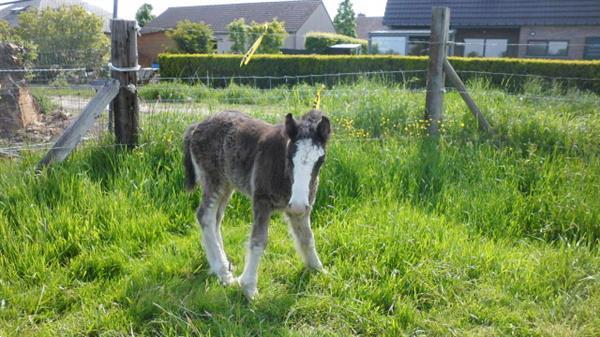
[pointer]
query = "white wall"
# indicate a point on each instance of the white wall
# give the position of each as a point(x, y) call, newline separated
point(319, 21)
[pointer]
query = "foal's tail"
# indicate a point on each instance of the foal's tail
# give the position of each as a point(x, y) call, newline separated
point(190, 173)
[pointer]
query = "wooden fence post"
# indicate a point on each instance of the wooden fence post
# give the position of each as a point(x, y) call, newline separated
point(124, 61)
point(462, 89)
point(73, 134)
point(440, 25)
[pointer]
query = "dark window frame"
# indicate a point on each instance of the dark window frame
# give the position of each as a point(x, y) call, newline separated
point(546, 54)
point(485, 42)
point(586, 50)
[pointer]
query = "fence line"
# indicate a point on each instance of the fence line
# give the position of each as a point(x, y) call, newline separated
point(303, 76)
point(43, 70)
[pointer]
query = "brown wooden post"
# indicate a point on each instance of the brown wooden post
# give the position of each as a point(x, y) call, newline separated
point(440, 25)
point(73, 134)
point(462, 89)
point(125, 107)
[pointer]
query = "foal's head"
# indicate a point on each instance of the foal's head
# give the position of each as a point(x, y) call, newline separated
point(306, 153)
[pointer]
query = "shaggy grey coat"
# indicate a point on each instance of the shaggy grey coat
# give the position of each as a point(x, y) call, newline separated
point(232, 151)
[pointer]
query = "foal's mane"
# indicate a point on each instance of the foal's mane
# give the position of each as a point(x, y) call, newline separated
point(307, 124)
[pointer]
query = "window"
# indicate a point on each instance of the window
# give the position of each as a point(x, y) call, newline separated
point(390, 44)
point(541, 48)
point(485, 47)
point(592, 48)
point(418, 45)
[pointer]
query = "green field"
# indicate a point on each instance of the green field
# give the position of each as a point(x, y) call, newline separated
point(466, 235)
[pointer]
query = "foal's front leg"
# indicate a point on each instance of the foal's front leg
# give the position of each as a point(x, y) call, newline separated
point(256, 247)
point(304, 239)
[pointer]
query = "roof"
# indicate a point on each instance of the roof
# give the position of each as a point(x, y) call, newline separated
point(293, 13)
point(366, 24)
point(11, 13)
point(505, 13)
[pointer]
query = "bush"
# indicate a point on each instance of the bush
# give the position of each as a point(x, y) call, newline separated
point(319, 42)
point(296, 68)
point(193, 37)
point(243, 36)
point(69, 37)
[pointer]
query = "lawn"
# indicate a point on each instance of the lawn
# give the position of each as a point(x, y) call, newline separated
point(466, 235)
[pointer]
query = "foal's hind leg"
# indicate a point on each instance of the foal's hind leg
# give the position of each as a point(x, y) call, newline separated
point(207, 215)
point(304, 240)
point(223, 200)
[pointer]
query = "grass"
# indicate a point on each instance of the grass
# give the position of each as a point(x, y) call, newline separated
point(470, 235)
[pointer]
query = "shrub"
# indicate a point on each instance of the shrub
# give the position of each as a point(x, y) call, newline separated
point(319, 42)
point(296, 68)
point(192, 37)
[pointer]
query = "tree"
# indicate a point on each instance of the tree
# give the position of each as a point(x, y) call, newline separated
point(7, 33)
point(243, 36)
point(68, 37)
point(144, 14)
point(192, 37)
point(274, 37)
point(345, 20)
point(238, 31)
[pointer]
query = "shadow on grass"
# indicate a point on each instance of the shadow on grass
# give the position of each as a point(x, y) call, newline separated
point(196, 304)
point(102, 164)
point(428, 175)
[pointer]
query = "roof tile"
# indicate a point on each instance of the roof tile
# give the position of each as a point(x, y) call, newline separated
point(470, 13)
point(293, 13)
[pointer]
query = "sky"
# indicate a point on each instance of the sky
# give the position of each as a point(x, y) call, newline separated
point(127, 8)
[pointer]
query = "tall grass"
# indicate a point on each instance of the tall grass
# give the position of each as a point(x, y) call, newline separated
point(468, 235)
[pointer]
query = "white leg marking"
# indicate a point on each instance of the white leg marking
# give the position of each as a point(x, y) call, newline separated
point(221, 213)
point(304, 240)
point(197, 170)
point(249, 278)
point(219, 265)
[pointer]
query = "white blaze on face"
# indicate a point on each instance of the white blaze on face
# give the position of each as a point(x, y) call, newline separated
point(306, 156)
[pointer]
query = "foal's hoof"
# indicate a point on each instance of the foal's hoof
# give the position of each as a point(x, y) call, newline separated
point(319, 268)
point(322, 270)
point(227, 279)
point(250, 290)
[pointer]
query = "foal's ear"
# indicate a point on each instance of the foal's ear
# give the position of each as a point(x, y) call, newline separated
point(324, 129)
point(291, 128)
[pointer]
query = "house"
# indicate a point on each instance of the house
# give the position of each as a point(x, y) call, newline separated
point(300, 17)
point(366, 24)
point(11, 12)
point(555, 29)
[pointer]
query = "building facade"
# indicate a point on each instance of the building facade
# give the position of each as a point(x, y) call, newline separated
point(300, 17)
point(553, 29)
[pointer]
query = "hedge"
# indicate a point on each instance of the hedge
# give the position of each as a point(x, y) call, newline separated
point(319, 42)
point(272, 70)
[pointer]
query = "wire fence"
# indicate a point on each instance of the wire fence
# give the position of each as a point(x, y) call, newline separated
point(62, 92)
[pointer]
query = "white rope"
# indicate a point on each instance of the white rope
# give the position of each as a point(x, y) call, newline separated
point(291, 77)
point(124, 70)
point(24, 70)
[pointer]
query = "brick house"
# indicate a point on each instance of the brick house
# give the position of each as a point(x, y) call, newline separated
point(555, 29)
point(300, 17)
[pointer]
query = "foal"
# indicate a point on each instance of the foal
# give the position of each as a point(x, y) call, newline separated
point(276, 166)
